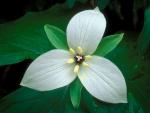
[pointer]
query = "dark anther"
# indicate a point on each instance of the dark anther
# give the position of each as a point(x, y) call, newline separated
point(79, 58)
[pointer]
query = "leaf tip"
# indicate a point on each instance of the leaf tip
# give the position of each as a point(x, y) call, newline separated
point(122, 35)
point(45, 26)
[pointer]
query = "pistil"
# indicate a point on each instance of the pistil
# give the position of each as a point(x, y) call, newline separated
point(79, 58)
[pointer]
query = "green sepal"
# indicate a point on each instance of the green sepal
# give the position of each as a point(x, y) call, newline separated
point(108, 44)
point(75, 93)
point(56, 36)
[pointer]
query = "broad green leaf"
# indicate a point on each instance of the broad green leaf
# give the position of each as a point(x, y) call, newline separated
point(56, 36)
point(108, 44)
point(25, 100)
point(103, 3)
point(140, 86)
point(144, 38)
point(134, 106)
point(12, 57)
point(135, 70)
point(75, 93)
point(15, 47)
point(25, 38)
point(29, 101)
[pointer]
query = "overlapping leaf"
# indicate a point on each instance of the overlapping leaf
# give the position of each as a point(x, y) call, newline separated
point(25, 38)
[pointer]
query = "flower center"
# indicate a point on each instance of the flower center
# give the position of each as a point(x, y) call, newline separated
point(79, 58)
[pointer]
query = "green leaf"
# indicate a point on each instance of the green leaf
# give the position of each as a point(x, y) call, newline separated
point(134, 68)
point(25, 100)
point(56, 36)
point(144, 38)
point(140, 86)
point(134, 106)
point(15, 47)
point(96, 106)
point(75, 93)
point(25, 38)
point(108, 44)
point(103, 3)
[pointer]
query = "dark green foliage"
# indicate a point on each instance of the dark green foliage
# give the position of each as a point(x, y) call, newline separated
point(144, 38)
point(26, 38)
point(103, 3)
point(26, 100)
point(71, 3)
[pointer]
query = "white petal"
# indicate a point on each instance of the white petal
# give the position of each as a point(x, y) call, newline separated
point(104, 80)
point(86, 29)
point(49, 71)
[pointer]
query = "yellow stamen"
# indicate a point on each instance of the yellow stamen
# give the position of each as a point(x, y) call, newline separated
point(70, 61)
point(79, 50)
point(72, 51)
point(76, 69)
point(85, 64)
point(88, 57)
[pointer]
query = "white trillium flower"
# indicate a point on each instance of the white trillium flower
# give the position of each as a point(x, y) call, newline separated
point(58, 68)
